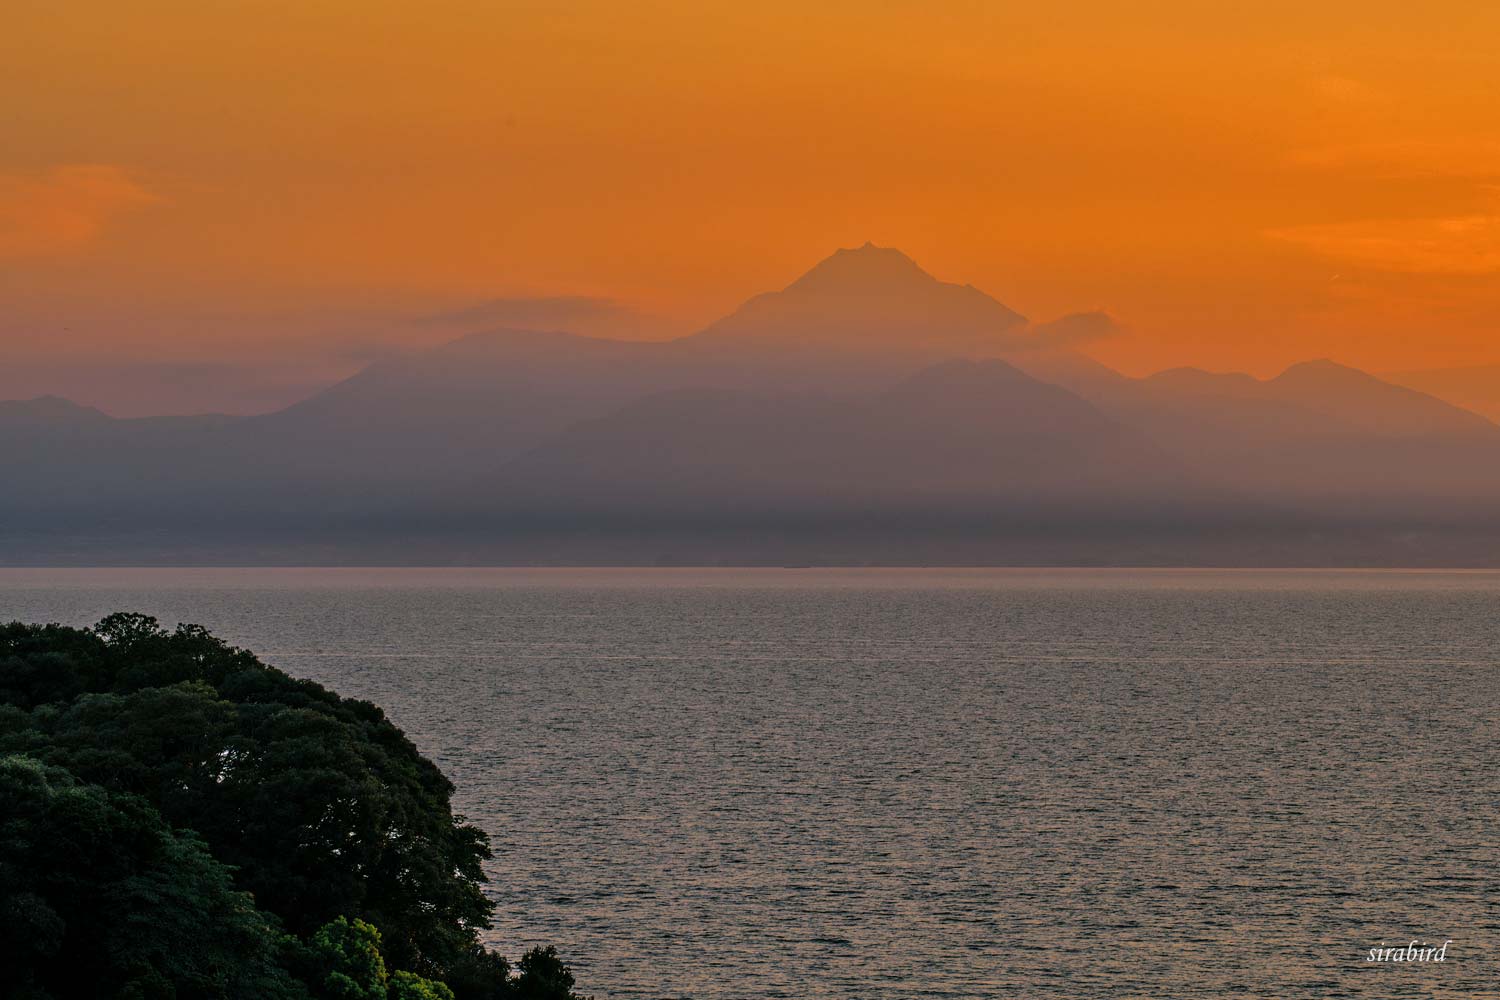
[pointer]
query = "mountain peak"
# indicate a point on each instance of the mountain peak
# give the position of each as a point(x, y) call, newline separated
point(1322, 366)
point(1330, 376)
point(865, 270)
point(873, 298)
point(1357, 398)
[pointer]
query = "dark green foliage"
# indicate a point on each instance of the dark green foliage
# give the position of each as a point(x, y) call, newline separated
point(348, 961)
point(481, 973)
point(543, 976)
point(410, 986)
point(321, 808)
point(99, 898)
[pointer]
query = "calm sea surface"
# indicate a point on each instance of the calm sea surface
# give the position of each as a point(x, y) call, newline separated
point(898, 784)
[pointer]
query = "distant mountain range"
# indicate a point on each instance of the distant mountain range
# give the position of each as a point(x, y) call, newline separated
point(1475, 387)
point(866, 413)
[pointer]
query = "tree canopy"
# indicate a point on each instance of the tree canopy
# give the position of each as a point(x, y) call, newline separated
point(178, 819)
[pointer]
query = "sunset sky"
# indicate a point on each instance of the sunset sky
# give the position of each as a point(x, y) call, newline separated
point(260, 196)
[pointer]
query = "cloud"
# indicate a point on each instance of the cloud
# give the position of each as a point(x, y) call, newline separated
point(63, 210)
point(1456, 234)
point(1072, 330)
point(544, 311)
point(1463, 244)
point(1342, 90)
point(1458, 158)
point(584, 314)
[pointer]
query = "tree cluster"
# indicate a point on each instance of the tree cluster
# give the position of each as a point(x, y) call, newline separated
point(179, 820)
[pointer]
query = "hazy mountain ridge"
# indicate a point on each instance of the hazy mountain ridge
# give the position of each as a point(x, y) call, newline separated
point(866, 388)
point(1316, 432)
point(47, 411)
point(961, 435)
point(1475, 387)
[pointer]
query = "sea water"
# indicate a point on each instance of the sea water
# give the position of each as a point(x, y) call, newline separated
point(927, 783)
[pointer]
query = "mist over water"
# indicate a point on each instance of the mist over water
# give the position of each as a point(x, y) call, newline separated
point(889, 784)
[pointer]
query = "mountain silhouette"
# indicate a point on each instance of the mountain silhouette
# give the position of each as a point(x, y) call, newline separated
point(867, 411)
point(858, 320)
point(1318, 429)
point(47, 411)
point(1475, 387)
point(959, 436)
point(1354, 401)
point(872, 299)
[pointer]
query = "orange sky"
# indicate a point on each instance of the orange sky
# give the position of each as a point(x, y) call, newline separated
point(288, 186)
